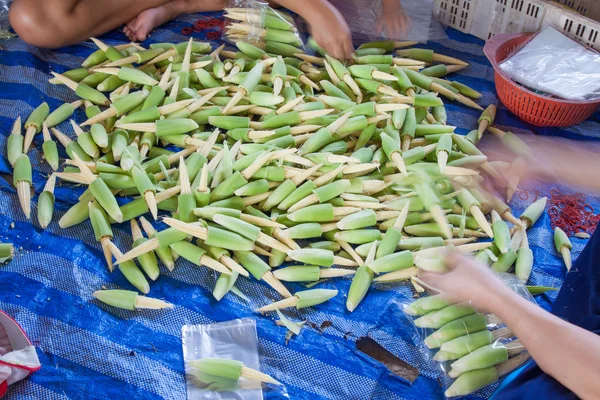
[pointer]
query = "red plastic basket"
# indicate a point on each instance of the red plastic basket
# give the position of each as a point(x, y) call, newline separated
point(531, 107)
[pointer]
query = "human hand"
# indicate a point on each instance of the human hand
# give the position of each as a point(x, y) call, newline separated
point(555, 160)
point(393, 20)
point(330, 31)
point(466, 281)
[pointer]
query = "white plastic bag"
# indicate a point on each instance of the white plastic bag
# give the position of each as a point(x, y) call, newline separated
point(18, 358)
point(553, 63)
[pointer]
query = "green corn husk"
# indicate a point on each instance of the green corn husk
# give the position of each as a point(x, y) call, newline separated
point(233, 224)
point(483, 357)
point(77, 213)
point(309, 298)
point(149, 114)
point(7, 252)
point(281, 120)
point(320, 257)
point(156, 96)
point(88, 145)
point(561, 240)
point(22, 170)
point(93, 80)
point(392, 262)
point(97, 57)
point(62, 113)
point(464, 345)
point(228, 240)
point(228, 187)
point(224, 285)
point(333, 90)
point(317, 213)
point(505, 261)
point(169, 236)
point(37, 117)
point(359, 236)
point(303, 273)
point(425, 305)
point(279, 194)
point(124, 299)
point(99, 135)
point(501, 235)
point(125, 104)
point(175, 126)
point(50, 150)
point(106, 199)
point(119, 139)
point(524, 263)
point(136, 76)
point(415, 204)
point(366, 135)
point(388, 243)
point(14, 146)
point(537, 290)
point(316, 142)
point(466, 90)
point(426, 230)
point(455, 220)
point(457, 328)
point(361, 219)
point(189, 251)
point(297, 195)
point(88, 93)
point(325, 245)
point(361, 282)
point(111, 83)
point(304, 231)
point(270, 174)
point(533, 212)
point(265, 99)
point(229, 122)
point(254, 264)
point(440, 318)
point(331, 190)
point(472, 381)
point(148, 261)
point(234, 202)
point(45, 208)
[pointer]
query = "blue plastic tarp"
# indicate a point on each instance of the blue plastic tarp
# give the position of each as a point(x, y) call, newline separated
point(91, 351)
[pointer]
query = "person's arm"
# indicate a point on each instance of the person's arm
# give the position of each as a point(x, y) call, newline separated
point(56, 23)
point(393, 20)
point(327, 25)
point(569, 354)
point(557, 159)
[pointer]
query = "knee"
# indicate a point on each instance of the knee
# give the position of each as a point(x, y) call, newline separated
point(33, 25)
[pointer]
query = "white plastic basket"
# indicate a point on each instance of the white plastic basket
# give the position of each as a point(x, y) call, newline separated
point(485, 18)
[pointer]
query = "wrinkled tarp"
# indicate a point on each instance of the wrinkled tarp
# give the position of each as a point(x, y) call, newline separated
point(92, 351)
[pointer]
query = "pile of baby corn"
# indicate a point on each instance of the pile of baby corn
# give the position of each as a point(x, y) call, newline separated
point(252, 152)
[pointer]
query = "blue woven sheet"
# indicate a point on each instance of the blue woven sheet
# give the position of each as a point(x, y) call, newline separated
point(90, 351)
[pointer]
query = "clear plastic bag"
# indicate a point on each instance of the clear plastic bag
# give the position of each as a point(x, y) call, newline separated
point(255, 22)
point(555, 64)
point(231, 340)
point(472, 350)
point(4, 22)
point(363, 16)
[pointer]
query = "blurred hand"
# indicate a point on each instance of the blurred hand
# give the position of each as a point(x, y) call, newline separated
point(557, 160)
point(393, 21)
point(466, 280)
point(331, 32)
